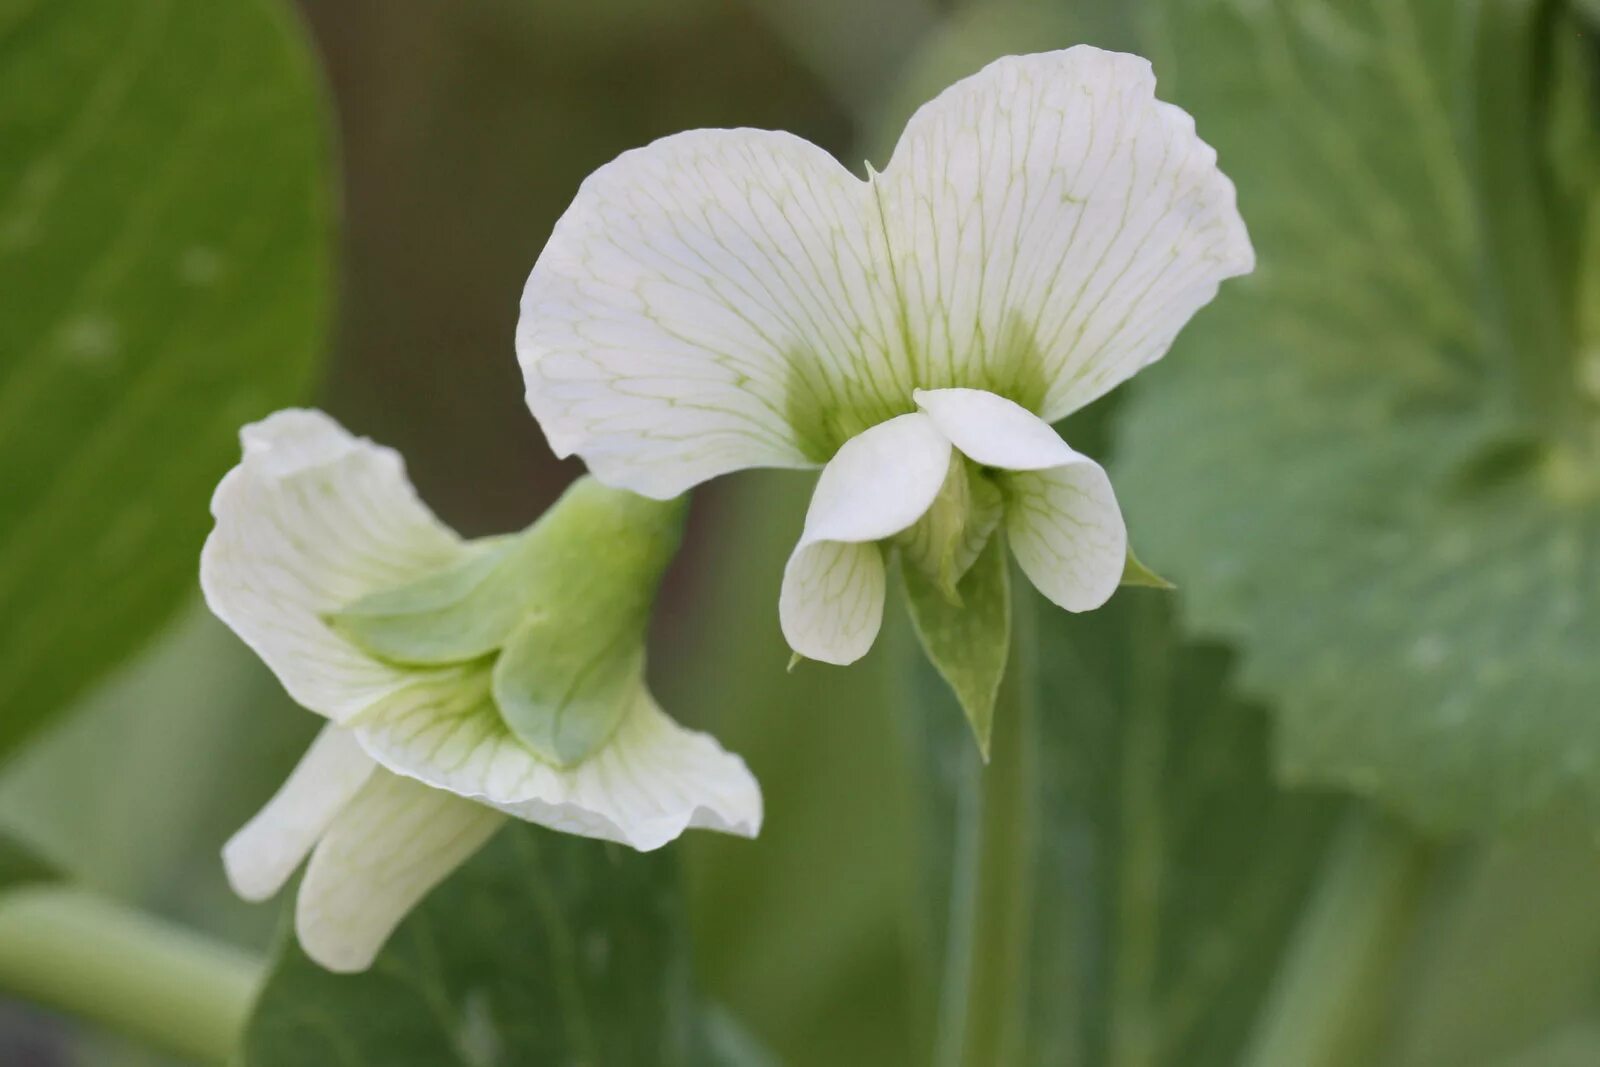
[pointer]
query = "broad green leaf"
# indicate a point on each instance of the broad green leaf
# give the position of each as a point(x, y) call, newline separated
point(1156, 870)
point(164, 232)
point(1371, 463)
point(967, 636)
point(543, 949)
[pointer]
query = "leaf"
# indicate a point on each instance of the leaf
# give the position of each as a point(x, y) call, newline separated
point(164, 232)
point(20, 866)
point(1161, 869)
point(1509, 959)
point(544, 948)
point(967, 638)
point(1309, 461)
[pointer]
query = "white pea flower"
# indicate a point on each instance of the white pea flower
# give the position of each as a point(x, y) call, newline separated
point(463, 681)
point(724, 299)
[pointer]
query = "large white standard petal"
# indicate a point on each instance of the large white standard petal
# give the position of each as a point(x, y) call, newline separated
point(880, 483)
point(651, 781)
point(693, 293)
point(310, 520)
point(392, 844)
point(266, 851)
point(1051, 220)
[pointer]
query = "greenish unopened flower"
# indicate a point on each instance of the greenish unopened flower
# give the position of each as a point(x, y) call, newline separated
point(464, 681)
point(724, 299)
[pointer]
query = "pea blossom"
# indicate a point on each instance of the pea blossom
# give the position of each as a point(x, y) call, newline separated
point(726, 299)
point(464, 682)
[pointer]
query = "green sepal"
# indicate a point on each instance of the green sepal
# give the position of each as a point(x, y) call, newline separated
point(569, 673)
point(563, 689)
point(969, 640)
point(565, 605)
point(946, 541)
point(1135, 573)
point(451, 616)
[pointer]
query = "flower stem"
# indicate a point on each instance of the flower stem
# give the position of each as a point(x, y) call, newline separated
point(984, 995)
point(1335, 982)
point(163, 985)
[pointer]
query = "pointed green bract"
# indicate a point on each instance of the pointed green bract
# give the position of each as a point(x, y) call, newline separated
point(1135, 573)
point(967, 638)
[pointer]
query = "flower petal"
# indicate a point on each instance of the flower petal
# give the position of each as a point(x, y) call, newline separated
point(831, 606)
point(311, 520)
point(394, 842)
point(1053, 227)
point(879, 483)
point(703, 305)
point(994, 431)
point(1067, 533)
point(652, 780)
point(265, 852)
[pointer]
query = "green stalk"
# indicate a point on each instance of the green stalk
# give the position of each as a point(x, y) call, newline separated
point(159, 984)
point(1133, 1035)
point(1337, 979)
point(984, 997)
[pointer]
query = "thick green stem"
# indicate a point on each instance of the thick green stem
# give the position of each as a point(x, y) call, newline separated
point(984, 997)
point(1133, 1031)
point(159, 984)
point(1336, 980)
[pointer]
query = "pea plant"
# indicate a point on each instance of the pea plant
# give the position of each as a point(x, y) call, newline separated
point(1298, 298)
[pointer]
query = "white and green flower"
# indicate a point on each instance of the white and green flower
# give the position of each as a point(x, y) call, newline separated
point(724, 299)
point(464, 681)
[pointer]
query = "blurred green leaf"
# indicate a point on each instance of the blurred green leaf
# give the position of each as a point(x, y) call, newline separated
point(542, 949)
point(164, 233)
point(1577, 1046)
point(1335, 463)
point(1507, 965)
point(20, 866)
point(1163, 870)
